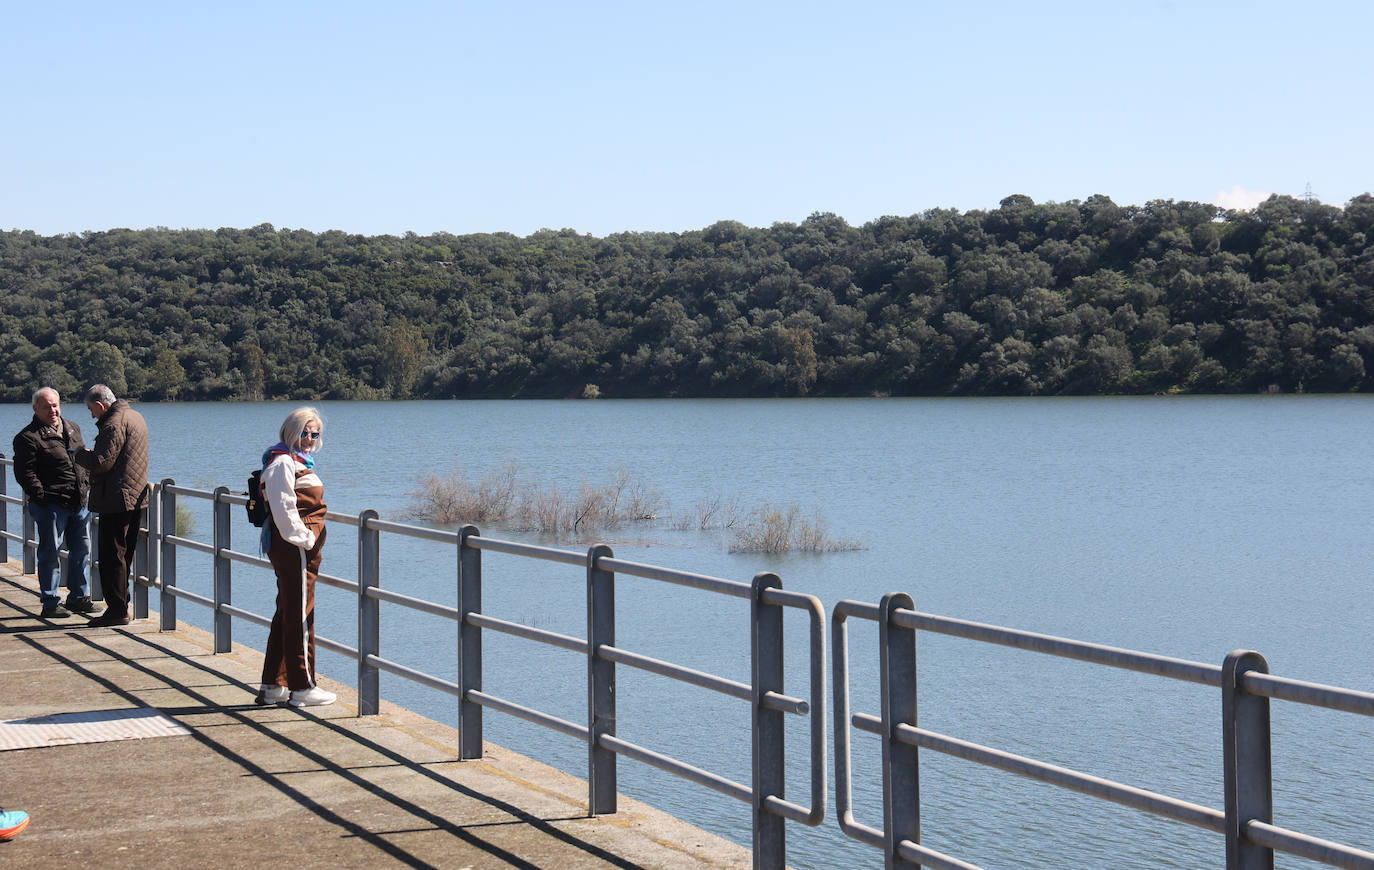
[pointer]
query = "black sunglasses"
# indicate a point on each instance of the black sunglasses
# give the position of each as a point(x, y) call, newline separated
point(311, 436)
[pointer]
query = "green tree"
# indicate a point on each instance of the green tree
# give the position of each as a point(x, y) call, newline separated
point(55, 375)
point(166, 378)
point(799, 357)
point(103, 363)
point(403, 349)
point(250, 364)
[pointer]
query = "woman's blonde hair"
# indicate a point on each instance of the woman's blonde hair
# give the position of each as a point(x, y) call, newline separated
point(295, 424)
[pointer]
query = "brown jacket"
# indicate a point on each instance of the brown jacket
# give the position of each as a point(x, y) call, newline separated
point(119, 461)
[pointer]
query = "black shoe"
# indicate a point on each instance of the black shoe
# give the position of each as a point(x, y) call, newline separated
point(107, 619)
point(83, 604)
point(55, 611)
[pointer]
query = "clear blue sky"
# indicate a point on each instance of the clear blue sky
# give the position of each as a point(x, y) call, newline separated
point(602, 117)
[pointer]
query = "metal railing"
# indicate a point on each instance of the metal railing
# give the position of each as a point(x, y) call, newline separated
point(1246, 687)
point(28, 545)
point(1246, 820)
point(764, 693)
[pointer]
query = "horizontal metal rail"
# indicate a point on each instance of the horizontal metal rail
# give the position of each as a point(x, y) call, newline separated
point(246, 615)
point(1311, 694)
point(1311, 848)
point(797, 600)
point(771, 700)
point(335, 646)
point(1178, 669)
point(338, 582)
point(412, 674)
point(515, 629)
point(705, 778)
point(437, 535)
point(174, 489)
point(680, 768)
point(187, 595)
point(788, 810)
point(927, 857)
point(724, 686)
point(413, 603)
point(562, 726)
point(679, 578)
point(1160, 805)
point(189, 544)
point(534, 551)
point(245, 558)
point(342, 519)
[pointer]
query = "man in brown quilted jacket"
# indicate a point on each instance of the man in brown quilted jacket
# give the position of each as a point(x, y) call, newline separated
point(118, 464)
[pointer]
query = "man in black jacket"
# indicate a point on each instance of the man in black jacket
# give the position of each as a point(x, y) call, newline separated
point(57, 489)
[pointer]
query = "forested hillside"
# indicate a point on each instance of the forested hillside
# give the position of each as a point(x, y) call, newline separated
point(1027, 299)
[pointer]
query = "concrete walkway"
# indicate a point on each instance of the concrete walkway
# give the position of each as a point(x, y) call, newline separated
point(258, 787)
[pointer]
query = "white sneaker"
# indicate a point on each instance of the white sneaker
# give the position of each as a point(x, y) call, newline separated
point(270, 694)
point(312, 697)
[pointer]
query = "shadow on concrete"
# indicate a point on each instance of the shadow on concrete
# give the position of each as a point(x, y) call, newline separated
point(26, 620)
point(239, 715)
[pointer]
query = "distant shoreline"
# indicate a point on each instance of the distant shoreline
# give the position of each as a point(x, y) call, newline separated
point(1030, 299)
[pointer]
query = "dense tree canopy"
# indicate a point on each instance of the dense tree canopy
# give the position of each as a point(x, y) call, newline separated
point(1026, 299)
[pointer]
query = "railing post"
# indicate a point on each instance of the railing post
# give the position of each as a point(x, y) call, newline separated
point(64, 577)
point(28, 554)
point(901, 762)
point(4, 515)
point(469, 645)
point(601, 712)
point(1246, 753)
point(138, 590)
point(154, 546)
point(369, 615)
point(224, 589)
point(93, 572)
point(769, 745)
point(167, 602)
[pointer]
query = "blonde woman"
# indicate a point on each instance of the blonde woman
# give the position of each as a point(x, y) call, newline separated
point(293, 540)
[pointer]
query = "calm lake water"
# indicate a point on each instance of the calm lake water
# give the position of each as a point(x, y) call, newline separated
point(1186, 527)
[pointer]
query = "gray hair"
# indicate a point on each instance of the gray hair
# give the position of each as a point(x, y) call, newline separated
point(294, 425)
point(100, 393)
point(33, 402)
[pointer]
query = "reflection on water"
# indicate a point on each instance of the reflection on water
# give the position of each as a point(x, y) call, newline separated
point(1186, 527)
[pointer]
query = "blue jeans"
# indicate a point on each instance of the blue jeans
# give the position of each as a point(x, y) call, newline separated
point(57, 526)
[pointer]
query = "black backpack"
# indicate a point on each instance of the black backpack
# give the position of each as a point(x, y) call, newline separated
point(257, 505)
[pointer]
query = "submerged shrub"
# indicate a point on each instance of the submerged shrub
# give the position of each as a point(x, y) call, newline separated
point(502, 498)
point(716, 512)
point(777, 530)
point(186, 521)
point(451, 498)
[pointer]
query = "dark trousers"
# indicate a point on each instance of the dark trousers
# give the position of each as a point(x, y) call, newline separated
point(289, 659)
point(118, 539)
